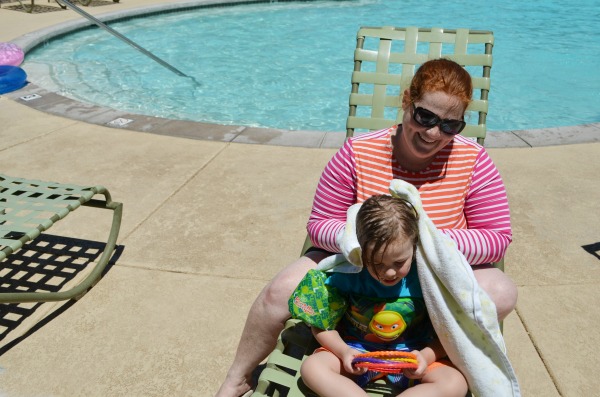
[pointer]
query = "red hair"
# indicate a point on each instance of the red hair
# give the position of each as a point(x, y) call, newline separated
point(440, 75)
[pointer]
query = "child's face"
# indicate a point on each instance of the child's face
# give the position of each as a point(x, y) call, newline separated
point(395, 263)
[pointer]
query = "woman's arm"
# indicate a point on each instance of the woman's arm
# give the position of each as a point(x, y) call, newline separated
point(336, 192)
point(488, 217)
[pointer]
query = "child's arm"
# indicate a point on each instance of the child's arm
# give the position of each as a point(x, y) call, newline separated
point(332, 341)
point(425, 357)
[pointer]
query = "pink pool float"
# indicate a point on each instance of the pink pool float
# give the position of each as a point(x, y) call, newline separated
point(11, 54)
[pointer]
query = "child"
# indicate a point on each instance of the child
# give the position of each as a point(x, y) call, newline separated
point(385, 311)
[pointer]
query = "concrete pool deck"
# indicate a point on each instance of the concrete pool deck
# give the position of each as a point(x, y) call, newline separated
point(208, 222)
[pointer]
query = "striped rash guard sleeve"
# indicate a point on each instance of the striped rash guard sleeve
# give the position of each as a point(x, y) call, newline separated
point(336, 192)
point(488, 232)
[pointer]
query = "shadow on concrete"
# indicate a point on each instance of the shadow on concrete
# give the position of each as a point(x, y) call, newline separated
point(47, 264)
point(592, 249)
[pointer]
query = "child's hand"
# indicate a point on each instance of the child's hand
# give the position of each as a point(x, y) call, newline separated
point(347, 357)
point(420, 371)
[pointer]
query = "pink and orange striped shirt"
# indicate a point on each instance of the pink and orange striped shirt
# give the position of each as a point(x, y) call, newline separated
point(462, 192)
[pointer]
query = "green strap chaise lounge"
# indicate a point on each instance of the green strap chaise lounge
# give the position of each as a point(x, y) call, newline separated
point(30, 207)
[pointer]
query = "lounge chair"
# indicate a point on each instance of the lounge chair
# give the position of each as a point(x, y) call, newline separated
point(30, 207)
point(29, 8)
point(385, 61)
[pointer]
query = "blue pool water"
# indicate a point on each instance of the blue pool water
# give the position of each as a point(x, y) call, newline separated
point(287, 65)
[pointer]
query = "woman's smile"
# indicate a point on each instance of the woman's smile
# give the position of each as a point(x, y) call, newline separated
point(424, 138)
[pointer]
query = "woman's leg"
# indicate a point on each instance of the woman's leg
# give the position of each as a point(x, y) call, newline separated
point(440, 381)
point(265, 321)
point(322, 372)
point(499, 287)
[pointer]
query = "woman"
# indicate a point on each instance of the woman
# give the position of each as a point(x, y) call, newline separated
point(460, 188)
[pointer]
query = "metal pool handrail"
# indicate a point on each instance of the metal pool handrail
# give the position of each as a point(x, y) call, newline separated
point(125, 39)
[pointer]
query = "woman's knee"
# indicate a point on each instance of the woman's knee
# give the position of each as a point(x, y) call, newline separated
point(501, 289)
point(279, 289)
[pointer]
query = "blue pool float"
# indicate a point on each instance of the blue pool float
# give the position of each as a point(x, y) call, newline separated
point(11, 78)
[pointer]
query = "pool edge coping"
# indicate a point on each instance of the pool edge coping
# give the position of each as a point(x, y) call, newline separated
point(50, 102)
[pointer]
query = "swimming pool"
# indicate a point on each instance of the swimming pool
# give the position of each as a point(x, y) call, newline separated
point(287, 65)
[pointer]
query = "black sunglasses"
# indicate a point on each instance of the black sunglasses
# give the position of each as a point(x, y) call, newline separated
point(429, 119)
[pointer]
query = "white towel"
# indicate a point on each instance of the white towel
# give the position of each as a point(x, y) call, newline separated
point(350, 260)
point(463, 315)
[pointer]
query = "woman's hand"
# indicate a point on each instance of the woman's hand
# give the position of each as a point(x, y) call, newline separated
point(419, 372)
point(346, 357)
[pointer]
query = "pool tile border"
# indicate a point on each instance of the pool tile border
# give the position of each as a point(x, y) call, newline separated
point(54, 103)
